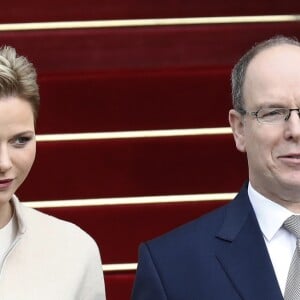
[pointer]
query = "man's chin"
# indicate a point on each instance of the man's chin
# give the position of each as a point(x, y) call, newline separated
point(290, 186)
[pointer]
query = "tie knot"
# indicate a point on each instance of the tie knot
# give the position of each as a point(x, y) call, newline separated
point(292, 224)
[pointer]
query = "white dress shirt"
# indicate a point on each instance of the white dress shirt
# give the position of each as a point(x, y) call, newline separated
point(280, 243)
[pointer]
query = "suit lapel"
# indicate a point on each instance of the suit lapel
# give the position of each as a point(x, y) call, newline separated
point(242, 252)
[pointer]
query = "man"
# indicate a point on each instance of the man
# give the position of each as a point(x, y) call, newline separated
point(242, 250)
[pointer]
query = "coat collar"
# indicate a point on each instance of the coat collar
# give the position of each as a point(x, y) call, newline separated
point(18, 210)
point(242, 252)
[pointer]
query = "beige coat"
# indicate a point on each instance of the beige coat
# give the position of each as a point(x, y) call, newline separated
point(50, 259)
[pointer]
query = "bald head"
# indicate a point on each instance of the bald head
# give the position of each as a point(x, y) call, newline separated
point(239, 71)
point(273, 76)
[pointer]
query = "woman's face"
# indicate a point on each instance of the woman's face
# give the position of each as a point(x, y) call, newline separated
point(17, 146)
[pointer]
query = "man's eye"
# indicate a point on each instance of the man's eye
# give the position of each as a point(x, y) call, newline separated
point(276, 112)
point(271, 113)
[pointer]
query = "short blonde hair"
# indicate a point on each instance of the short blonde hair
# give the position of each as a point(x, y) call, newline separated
point(18, 78)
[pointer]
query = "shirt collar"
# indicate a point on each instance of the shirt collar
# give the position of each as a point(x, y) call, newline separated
point(269, 214)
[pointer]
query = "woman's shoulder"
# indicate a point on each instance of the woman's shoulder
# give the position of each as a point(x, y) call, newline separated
point(40, 224)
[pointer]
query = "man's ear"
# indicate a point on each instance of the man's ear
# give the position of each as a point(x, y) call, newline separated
point(237, 126)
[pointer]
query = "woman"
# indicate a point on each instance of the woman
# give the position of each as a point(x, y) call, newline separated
point(41, 257)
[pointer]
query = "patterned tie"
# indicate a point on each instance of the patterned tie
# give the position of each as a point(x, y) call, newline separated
point(292, 288)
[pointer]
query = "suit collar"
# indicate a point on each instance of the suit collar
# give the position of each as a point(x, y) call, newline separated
point(242, 252)
point(236, 215)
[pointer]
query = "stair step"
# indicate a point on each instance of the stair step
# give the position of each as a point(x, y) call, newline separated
point(113, 226)
point(55, 10)
point(124, 101)
point(135, 167)
point(141, 48)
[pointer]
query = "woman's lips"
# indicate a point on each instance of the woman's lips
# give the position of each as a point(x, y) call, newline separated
point(5, 183)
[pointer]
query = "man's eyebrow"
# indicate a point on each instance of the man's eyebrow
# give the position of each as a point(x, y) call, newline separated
point(273, 105)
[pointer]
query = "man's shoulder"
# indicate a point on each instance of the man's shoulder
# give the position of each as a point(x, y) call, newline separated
point(202, 229)
point(200, 234)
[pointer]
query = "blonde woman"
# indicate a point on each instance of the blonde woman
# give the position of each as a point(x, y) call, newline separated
point(41, 257)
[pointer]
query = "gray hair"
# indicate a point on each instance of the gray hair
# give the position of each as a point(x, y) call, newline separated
point(18, 78)
point(239, 70)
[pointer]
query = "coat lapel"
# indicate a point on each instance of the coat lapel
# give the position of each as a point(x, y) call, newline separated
point(242, 252)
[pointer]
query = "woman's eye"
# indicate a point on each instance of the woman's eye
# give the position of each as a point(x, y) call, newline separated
point(21, 140)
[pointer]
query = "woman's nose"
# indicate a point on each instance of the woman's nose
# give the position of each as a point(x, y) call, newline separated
point(5, 160)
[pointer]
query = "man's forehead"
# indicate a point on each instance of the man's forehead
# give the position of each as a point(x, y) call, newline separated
point(273, 74)
point(275, 62)
point(276, 54)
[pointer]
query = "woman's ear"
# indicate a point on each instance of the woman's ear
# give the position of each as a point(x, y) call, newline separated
point(237, 125)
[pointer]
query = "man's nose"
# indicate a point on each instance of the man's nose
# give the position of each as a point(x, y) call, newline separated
point(5, 159)
point(292, 126)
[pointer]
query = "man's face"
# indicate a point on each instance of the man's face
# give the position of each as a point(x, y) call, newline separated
point(273, 150)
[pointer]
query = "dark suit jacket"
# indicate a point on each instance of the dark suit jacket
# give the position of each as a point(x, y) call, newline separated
point(220, 256)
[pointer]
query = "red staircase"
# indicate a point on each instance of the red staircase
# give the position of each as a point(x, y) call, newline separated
point(124, 83)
